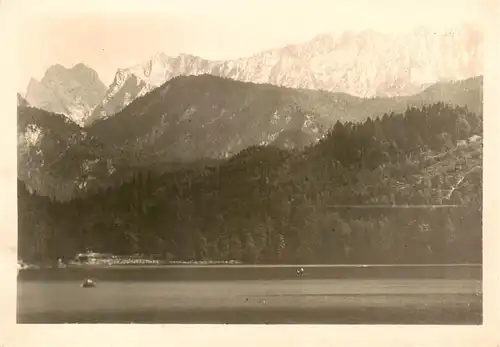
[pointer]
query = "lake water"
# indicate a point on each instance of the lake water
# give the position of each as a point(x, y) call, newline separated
point(433, 294)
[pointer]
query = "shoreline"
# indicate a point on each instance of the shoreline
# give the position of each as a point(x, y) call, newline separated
point(243, 265)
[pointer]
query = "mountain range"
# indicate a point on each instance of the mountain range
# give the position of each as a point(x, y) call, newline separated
point(363, 64)
point(192, 120)
point(255, 159)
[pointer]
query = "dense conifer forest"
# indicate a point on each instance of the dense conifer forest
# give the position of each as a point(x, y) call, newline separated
point(402, 188)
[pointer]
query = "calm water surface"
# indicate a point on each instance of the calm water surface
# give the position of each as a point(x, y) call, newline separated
point(253, 294)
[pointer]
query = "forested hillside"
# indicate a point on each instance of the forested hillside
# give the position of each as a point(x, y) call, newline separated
point(193, 119)
point(342, 200)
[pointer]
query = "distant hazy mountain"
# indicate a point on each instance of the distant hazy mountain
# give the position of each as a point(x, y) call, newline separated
point(192, 118)
point(363, 64)
point(73, 92)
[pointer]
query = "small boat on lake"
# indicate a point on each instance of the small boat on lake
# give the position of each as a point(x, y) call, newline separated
point(88, 284)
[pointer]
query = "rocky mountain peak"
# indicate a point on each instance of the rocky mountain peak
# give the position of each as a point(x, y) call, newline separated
point(73, 92)
point(364, 63)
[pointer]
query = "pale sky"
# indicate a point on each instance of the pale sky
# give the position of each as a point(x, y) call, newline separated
point(107, 35)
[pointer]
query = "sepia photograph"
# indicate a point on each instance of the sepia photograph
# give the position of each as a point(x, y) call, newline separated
point(271, 163)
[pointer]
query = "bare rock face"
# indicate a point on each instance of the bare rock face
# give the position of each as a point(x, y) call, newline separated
point(364, 64)
point(73, 92)
point(138, 80)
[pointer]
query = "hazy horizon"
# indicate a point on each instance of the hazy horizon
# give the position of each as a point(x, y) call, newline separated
point(106, 38)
